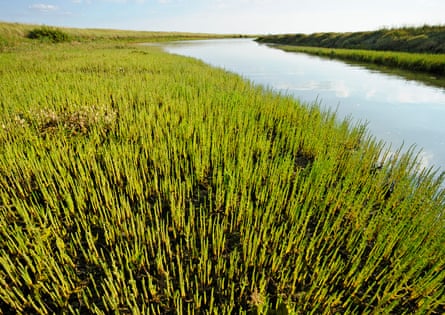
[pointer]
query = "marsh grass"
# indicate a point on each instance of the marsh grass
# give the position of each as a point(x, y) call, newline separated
point(417, 49)
point(422, 39)
point(15, 34)
point(135, 182)
point(432, 64)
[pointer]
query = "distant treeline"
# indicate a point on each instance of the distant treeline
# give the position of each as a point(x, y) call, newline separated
point(425, 39)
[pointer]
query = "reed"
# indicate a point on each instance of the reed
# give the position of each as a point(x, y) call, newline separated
point(135, 182)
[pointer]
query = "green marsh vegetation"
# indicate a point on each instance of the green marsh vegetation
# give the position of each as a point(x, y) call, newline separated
point(425, 39)
point(433, 64)
point(134, 182)
point(15, 35)
point(419, 49)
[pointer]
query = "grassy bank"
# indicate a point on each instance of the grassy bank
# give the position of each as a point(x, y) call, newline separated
point(13, 35)
point(426, 39)
point(419, 49)
point(428, 63)
point(134, 182)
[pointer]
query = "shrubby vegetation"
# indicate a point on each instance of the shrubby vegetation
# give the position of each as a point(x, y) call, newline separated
point(50, 34)
point(135, 182)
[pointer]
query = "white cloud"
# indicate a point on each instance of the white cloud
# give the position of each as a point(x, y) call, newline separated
point(125, 1)
point(340, 89)
point(44, 7)
point(115, 1)
point(426, 160)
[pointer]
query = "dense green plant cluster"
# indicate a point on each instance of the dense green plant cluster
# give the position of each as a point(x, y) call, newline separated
point(426, 39)
point(136, 182)
point(50, 34)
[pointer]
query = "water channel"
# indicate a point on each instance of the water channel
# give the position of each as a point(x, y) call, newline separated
point(396, 110)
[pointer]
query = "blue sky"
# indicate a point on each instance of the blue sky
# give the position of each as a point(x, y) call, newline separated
point(226, 16)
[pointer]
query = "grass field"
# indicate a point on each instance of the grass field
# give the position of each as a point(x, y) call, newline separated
point(137, 182)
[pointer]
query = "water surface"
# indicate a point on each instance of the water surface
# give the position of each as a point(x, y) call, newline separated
point(396, 110)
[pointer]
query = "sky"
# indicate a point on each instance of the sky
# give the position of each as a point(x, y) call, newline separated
point(227, 16)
